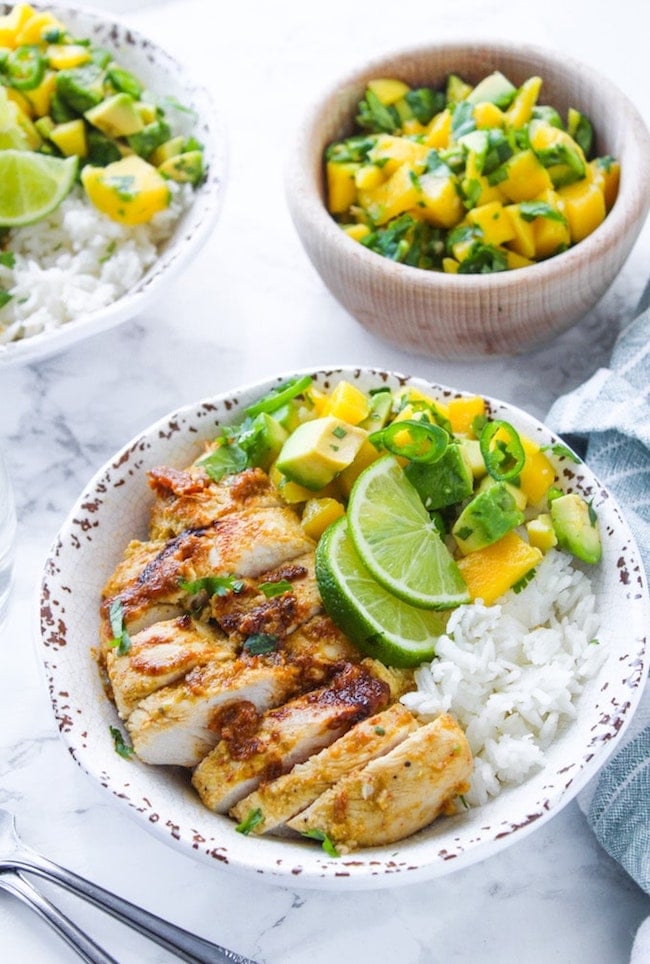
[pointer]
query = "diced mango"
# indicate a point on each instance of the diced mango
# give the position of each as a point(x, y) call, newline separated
point(494, 222)
point(514, 260)
point(366, 455)
point(387, 90)
point(551, 235)
point(13, 22)
point(606, 174)
point(439, 131)
point(368, 176)
point(520, 110)
point(463, 411)
point(356, 231)
point(487, 115)
point(537, 474)
point(341, 186)
point(450, 265)
point(399, 193)
point(486, 192)
point(541, 533)
point(318, 514)
point(439, 201)
point(523, 242)
point(526, 177)
point(490, 572)
point(348, 403)
point(411, 126)
point(130, 190)
point(414, 395)
point(65, 56)
point(33, 28)
point(70, 138)
point(40, 97)
point(390, 152)
point(294, 494)
point(584, 207)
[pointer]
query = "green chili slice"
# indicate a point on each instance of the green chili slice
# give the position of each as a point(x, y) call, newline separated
point(277, 397)
point(425, 443)
point(502, 450)
point(25, 67)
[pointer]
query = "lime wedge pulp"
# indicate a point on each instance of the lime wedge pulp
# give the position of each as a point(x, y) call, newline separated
point(32, 185)
point(397, 541)
point(376, 621)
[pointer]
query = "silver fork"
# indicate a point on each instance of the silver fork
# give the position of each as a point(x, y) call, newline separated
point(17, 856)
point(86, 948)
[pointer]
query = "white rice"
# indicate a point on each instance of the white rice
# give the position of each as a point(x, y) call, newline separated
point(511, 673)
point(77, 261)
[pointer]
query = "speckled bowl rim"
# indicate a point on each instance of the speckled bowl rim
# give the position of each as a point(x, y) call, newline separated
point(195, 224)
point(113, 508)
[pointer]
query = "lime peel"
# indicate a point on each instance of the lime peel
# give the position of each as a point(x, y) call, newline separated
point(377, 622)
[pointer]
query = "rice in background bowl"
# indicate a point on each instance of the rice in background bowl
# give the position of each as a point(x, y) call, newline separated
point(60, 309)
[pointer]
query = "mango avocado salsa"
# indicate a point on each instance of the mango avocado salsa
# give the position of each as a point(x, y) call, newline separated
point(468, 179)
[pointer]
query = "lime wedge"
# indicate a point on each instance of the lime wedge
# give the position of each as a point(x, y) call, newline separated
point(397, 541)
point(378, 623)
point(32, 185)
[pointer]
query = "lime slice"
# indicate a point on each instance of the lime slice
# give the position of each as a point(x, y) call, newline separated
point(376, 621)
point(397, 541)
point(32, 185)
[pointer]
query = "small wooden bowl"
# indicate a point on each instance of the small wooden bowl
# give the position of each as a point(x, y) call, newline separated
point(469, 316)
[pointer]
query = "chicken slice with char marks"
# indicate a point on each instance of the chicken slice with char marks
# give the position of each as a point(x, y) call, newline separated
point(154, 573)
point(398, 793)
point(190, 499)
point(180, 724)
point(320, 647)
point(281, 799)
point(248, 610)
point(287, 735)
point(162, 654)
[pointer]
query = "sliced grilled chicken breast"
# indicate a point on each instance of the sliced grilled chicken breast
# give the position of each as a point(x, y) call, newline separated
point(189, 499)
point(283, 798)
point(162, 654)
point(180, 724)
point(277, 602)
point(156, 573)
point(287, 735)
point(396, 794)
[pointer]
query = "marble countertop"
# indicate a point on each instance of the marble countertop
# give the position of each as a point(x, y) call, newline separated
point(553, 896)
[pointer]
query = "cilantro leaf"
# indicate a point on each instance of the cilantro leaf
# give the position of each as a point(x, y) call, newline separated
point(260, 644)
point(321, 836)
point(121, 639)
point(121, 746)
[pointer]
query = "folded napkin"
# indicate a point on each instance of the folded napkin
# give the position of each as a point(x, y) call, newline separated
point(608, 419)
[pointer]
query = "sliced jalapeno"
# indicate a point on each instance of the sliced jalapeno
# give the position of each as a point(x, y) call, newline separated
point(25, 67)
point(502, 450)
point(276, 398)
point(415, 441)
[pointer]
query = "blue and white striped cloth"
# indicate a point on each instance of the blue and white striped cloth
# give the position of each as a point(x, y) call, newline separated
point(610, 415)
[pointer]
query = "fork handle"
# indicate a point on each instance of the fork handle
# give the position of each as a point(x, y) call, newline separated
point(188, 947)
point(85, 947)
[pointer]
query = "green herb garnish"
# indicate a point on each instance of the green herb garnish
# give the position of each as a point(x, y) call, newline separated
point(250, 821)
point(121, 746)
point(271, 589)
point(259, 644)
point(121, 639)
point(325, 841)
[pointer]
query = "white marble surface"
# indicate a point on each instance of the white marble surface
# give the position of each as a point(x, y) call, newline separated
point(250, 305)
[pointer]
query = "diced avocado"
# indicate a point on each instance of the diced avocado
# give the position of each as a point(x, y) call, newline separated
point(486, 519)
point(549, 114)
point(101, 56)
point(187, 166)
point(124, 81)
point(116, 116)
point(576, 527)
point(80, 88)
point(442, 483)
point(318, 450)
point(59, 110)
point(267, 439)
point(381, 405)
point(456, 89)
point(170, 148)
point(493, 89)
point(517, 494)
point(44, 126)
point(474, 457)
point(70, 138)
point(101, 149)
point(152, 135)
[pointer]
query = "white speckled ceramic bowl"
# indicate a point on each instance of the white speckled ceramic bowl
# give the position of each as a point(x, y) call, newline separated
point(470, 316)
point(162, 74)
point(114, 509)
